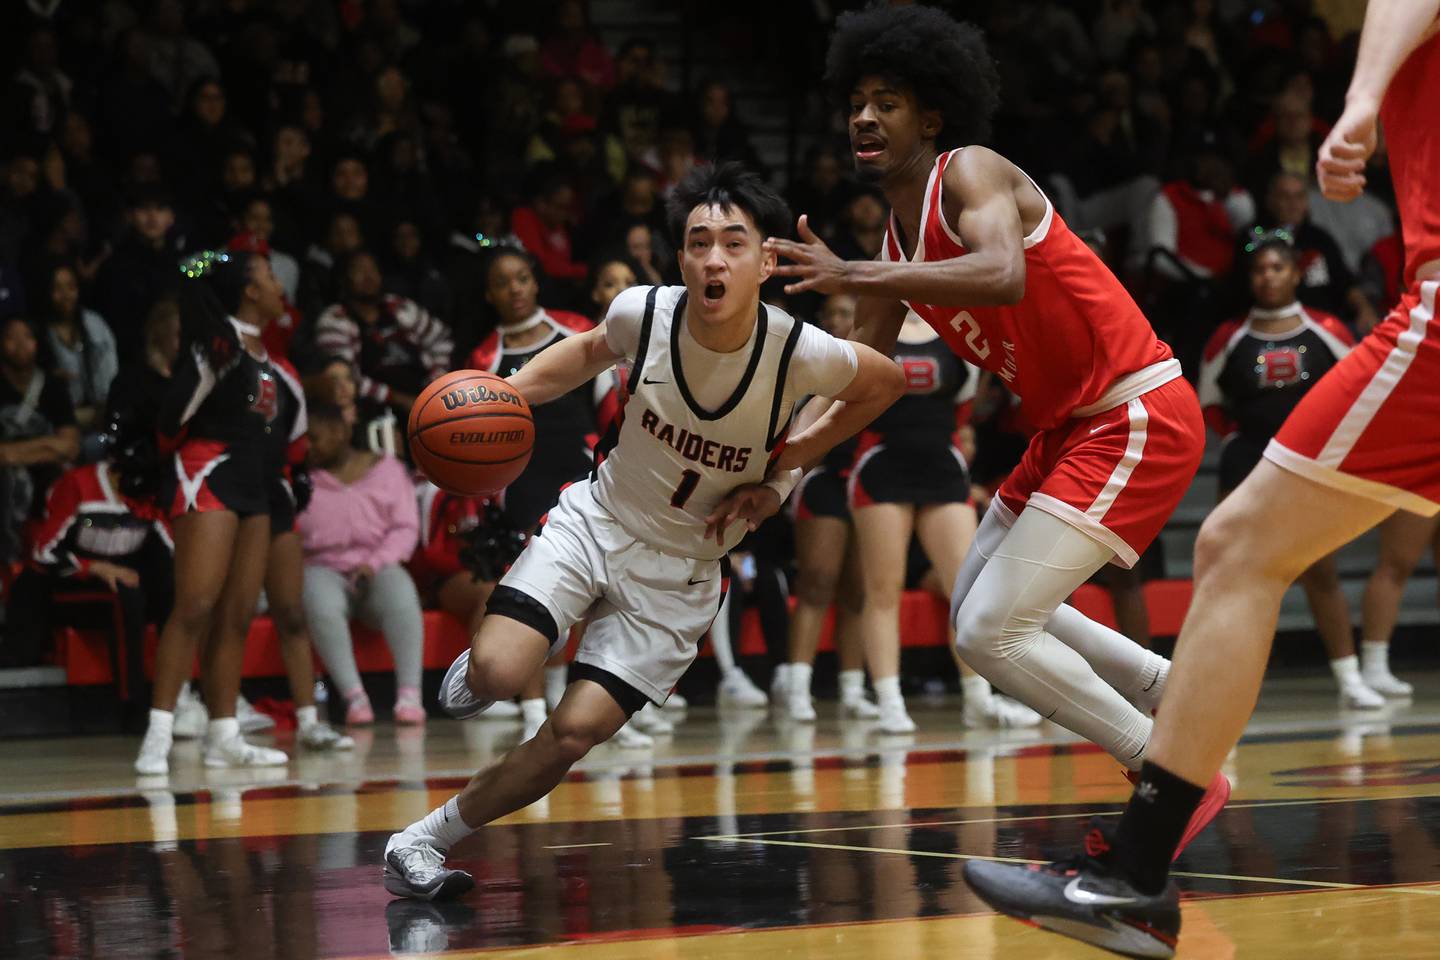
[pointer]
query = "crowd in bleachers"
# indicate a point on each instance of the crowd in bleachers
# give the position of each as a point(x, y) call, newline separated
point(380, 153)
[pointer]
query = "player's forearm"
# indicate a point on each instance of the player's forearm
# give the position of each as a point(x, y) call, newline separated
point(1393, 28)
point(878, 383)
point(977, 279)
point(560, 368)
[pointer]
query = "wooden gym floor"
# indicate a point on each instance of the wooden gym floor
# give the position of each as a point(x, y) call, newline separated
point(738, 837)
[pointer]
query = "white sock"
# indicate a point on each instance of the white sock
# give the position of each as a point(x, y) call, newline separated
point(442, 826)
point(887, 691)
point(852, 685)
point(306, 717)
point(555, 682)
point(800, 674)
point(223, 730)
point(162, 721)
point(533, 709)
point(1347, 671)
point(976, 689)
point(1375, 657)
point(720, 637)
point(782, 674)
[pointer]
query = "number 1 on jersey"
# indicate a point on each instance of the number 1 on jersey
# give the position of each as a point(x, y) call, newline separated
point(689, 480)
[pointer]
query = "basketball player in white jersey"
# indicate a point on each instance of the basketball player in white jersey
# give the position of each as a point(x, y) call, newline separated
point(714, 376)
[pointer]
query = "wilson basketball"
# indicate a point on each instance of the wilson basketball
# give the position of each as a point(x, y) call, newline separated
point(471, 433)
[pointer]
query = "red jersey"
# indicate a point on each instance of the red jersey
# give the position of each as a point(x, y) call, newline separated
point(1412, 137)
point(1075, 344)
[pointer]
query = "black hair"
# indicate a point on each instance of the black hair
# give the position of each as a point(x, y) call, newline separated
point(502, 250)
point(727, 185)
point(943, 63)
point(1261, 240)
point(228, 279)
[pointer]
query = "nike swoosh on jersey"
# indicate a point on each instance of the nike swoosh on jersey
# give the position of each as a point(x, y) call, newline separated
point(1076, 894)
point(647, 380)
point(694, 582)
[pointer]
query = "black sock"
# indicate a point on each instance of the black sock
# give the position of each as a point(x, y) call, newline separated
point(1150, 830)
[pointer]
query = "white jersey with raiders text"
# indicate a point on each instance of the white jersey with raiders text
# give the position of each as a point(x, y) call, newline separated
point(697, 424)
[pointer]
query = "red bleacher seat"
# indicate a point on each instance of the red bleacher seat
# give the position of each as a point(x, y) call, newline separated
point(85, 654)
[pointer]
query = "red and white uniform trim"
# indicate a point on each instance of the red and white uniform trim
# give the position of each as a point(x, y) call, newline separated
point(1371, 426)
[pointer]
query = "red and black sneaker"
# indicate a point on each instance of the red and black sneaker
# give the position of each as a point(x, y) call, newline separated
point(1083, 898)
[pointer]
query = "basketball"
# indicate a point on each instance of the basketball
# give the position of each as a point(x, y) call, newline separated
point(471, 433)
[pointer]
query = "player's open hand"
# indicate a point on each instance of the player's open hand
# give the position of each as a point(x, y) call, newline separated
point(1340, 167)
point(811, 260)
point(750, 502)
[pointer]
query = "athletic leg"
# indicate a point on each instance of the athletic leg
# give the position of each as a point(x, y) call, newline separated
point(1000, 631)
point(1331, 612)
point(1403, 539)
point(849, 641)
point(819, 558)
point(882, 534)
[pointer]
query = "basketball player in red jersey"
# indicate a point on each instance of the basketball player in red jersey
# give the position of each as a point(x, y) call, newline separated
point(977, 250)
point(1362, 444)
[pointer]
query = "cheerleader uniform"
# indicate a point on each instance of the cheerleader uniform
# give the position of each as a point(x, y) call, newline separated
point(286, 445)
point(908, 454)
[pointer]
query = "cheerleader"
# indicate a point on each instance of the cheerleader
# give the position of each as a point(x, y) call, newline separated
point(222, 398)
point(1255, 371)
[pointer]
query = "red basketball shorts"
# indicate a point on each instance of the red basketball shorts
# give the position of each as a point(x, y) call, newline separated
point(1371, 426)
point(1116, 476)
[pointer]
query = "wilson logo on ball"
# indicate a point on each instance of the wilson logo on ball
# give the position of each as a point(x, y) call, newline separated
point(479, 394)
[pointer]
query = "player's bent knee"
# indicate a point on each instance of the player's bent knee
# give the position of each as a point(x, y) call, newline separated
point(978, 628)
point(1235, 543)
point(497, 675)
point(574, 738)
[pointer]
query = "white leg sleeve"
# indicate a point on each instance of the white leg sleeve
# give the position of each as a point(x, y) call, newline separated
point(720, 636)
point(993, 528)
point(1001, 632)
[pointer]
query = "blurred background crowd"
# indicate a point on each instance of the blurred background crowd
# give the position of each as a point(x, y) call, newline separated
point(380, 153)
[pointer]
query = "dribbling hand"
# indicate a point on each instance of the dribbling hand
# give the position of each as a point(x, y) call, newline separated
point(811, 260)
point(1340, 166)
point(751, 502)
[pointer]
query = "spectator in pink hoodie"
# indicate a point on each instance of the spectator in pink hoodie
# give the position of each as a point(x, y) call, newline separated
point(360, 528)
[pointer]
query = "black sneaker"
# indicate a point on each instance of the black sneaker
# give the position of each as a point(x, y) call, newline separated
point(1084, 899)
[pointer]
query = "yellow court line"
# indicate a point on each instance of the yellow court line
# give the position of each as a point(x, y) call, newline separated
point(1320, 884)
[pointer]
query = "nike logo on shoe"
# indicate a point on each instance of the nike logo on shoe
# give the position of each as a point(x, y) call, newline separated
point(1077, 894)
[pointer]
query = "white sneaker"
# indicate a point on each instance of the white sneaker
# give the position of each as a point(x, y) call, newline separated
point(414, 868)
point(250, 719)
point(235, 752)
point(631, 738)
point(502, 710)
point(322, 736)
point(1357, 696)
point(800, 706)
point(779, 681)
point(1387, 684)
point(154, 757)
point(191, 717)
point(859, 708)
point(651, 720)
point(676, 703)
point(998, 712)
point(895, 719)
point(738, 690)
point(456, 697)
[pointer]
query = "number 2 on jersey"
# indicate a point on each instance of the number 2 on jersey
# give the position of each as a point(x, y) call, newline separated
point(689, 480)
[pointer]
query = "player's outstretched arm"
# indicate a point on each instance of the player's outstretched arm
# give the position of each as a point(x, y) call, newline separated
point(878, 383)
point(563, 366)
point(1393, 29)
point(978, 184)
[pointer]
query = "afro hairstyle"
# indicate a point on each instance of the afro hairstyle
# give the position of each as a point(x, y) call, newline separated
point(727, 185)
point(942, 62)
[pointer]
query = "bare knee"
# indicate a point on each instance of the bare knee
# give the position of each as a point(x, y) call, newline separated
point(289, 620)
point(1233, 544)
point(573, 738)
point(495, 674)
point(817, 587)
point(1321, 577)
point(193, 614)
